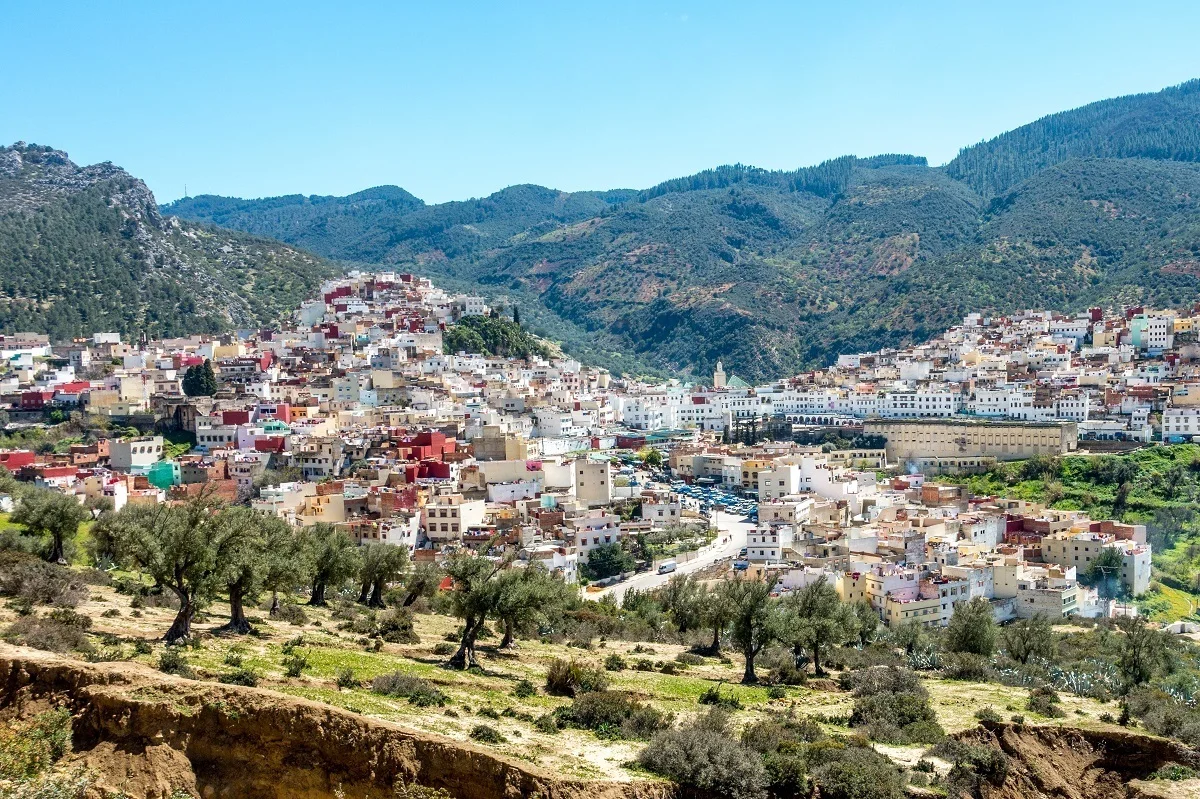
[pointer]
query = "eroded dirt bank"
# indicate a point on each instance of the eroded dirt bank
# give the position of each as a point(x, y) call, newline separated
point(148, 734)
point(1068, 763)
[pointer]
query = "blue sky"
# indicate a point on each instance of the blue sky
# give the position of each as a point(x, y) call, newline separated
point(454, 100)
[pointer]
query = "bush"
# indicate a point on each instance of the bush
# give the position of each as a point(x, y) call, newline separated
point(713, 696)
point(568, 678)
point(988, 713)
point(1018, 719)
point(972, 766)
point(892, 706)
point(524, 689)
point(1044, 702)
point(776, 692)
point(689, 659)
point(487, 735)
point(418, 691)
point(614, 715)
point(28, 748)
point(50, 633)
point(859, 773)
point(703, 757)
point(295, 664)
point(1173, 772)
point(670, 667)
point(966, 666)
point(41, 583)
point(346, 678)
point(547, 724)
point(396, 627)
point(443, 649)
point(489, 713)
point(614, 662)
point(240, 676)
point(292, 613)
point(644, 664)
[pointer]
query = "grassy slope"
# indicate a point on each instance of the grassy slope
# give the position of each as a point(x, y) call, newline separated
point(571, 752)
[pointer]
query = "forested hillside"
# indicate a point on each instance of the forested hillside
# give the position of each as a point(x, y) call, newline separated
point(775, 271)
point(1164, 126)
point(85, 250)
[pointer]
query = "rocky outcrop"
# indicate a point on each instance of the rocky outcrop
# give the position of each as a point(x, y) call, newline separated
point(1068, 763)
point(148, 734)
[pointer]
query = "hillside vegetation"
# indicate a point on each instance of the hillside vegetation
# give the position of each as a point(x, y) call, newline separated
point(776, 271)
point(84, 249)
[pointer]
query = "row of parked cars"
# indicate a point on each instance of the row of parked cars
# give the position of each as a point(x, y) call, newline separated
point(710, 499)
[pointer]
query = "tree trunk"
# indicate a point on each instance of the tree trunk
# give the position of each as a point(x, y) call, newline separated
point(274, 602)
point(237, 612)
point(411, 597)
point(748, 676)
point(56, 549)
point(464, 658)
point(816, 658)
point(509, 640)
point(715, 649)
point(376, 599)
point(318, 594)
point(181, 628)
point(363, 594)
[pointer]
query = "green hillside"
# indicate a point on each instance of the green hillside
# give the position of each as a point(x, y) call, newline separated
point(776, 271)
point(1163, 126)
point(85, 250)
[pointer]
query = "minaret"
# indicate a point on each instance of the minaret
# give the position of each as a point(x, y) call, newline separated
point(719, 376)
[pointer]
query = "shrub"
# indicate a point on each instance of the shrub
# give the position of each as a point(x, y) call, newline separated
point(703, 757)
point(689, 659)
point(966, 666)
point(568, 678)
point(644, 664)
point(1018, 719)
point(670, 667)
point(443, 649)
point(487, 735)
point(418, 691)
point(41, 583)
point(346, 678)
point(973, 765)
point(240, 676)
point(292, 613)
point(234, 659)
point(1044, 702)
point(524, 689)
point(295, 664)
point(292, 644)
point(776, 692)
point(49, 633)
point(988, 713)
point(615, 715)
point(142, 647)
point(614, 662)
point(892, 706)
point(713, 696)
point(396, 627)
point(28, 748)
point(1174, 772)
point(859, 773)
point(547, 724)
point(489, 713)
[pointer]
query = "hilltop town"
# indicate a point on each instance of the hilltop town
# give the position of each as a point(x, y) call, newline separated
point(357, 416)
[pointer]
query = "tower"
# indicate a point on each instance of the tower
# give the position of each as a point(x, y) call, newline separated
point(719, 376)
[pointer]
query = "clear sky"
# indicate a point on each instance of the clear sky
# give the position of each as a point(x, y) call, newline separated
point(455, 100)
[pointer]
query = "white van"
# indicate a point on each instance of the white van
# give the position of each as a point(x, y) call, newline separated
point(668, 566)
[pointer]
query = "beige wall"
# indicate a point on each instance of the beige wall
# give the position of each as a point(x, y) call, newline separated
point(910, 440)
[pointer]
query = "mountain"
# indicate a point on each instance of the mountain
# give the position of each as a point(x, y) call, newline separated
point(85, 249)
point(775, 271)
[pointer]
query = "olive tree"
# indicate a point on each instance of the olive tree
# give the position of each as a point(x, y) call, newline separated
point(53, 515)
point(814, 619)
point(182, 547)
point(474, 596)
point(754, 621)
point(334, 558)
point(380, 564)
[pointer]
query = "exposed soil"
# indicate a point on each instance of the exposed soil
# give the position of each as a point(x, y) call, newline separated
point(149, 734)
point(1068, 763)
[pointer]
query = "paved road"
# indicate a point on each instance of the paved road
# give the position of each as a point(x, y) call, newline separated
point(734, 527)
